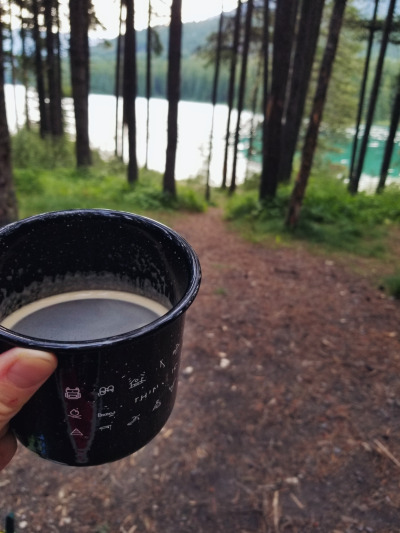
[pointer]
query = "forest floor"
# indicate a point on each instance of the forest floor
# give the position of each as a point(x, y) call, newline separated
point(287, 417)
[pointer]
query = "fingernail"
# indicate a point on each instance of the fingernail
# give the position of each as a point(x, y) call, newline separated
point(31, 368)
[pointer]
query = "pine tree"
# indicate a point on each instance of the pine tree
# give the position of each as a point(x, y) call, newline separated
point(214, 97)
point(39, 70)
point(53, 68)
point(79, 60)
point(148, 80)
point(285, 17)
point(242, 88)
point(310, 142)
point(130, 89)
point(355, 178)
point(394, 123)
point(8, 201)
point(372, 29)
point(305, 47)
point(266, 46)
point(231, 89)
point(174, 81)
point(118, 151)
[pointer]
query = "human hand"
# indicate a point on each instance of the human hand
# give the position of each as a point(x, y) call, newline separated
point(22, 372)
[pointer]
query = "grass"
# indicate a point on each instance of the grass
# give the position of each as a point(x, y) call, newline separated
point(46, 180)
point(330, 217)
point(101, 186)
point(331, 221)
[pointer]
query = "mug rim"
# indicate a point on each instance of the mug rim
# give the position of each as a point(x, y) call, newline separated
point(12, 337)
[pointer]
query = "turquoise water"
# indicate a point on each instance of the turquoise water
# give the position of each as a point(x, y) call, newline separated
point(376, 148)
point(339, 153)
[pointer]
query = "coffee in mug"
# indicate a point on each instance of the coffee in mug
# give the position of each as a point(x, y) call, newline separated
point(107, 292)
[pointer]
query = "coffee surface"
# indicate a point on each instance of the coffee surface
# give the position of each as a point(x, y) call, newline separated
point(84, 315)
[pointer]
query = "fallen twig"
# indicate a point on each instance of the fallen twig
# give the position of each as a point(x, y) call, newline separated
point(297, 501)
point(386, 452)
point(275, 510)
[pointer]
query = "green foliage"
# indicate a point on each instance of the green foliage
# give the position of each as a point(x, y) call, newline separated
point(29, 151)
point(103, 185)
point(330, 216)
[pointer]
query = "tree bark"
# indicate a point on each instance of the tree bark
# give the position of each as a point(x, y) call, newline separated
point(254, 121)
point(231, 89)
point(310, 142)
point(79, 59)
point(372, 30)
point(355, 178)
point(12, 63)
point(394, 122)
point(40, 87)
point(8, 201)
point(24, 65)
point(173, 87)
point(148, 81)
point(266, 42)
point(130, 89)
point(117, 152)
point(214, 98)
point(53, 69)
point(285, 17)
point(242, 89)
point(306, 44)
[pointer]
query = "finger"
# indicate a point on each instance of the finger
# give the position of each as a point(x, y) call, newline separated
point(22, 372)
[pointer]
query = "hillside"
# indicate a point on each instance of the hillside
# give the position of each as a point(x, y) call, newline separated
point(196, 76)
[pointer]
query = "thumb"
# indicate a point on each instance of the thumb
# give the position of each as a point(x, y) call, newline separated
point(22, 372)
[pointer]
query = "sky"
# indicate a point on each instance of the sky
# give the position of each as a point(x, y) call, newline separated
point(108, 13)
point(192, 11)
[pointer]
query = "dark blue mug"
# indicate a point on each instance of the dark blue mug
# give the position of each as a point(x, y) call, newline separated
point(113, 389)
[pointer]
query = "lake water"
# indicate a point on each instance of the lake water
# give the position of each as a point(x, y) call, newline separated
point(194, 126)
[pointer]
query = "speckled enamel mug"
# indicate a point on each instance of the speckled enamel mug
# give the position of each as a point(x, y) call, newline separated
point(109, 395)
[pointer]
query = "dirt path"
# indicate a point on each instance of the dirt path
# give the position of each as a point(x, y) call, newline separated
point(287, 417)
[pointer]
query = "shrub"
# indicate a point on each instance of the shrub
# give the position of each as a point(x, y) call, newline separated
point(30, 151)
point(330, 216)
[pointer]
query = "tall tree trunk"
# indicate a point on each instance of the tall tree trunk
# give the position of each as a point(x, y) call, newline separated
point(242, 89)
point(130, 89)
point(117, 152)
point(394, 122)
point(44, 120)
point(254, 120)
point(173, 84)
point(266, 42)
point(214, 98)
point(231, 89)
point(24, 65)
point(372, 30)
point(59, 91)
point(310, 142)
point(13, 69)
point(285, 18)
point(355, 178)
point(306, 43)
point(53, 70)
point(148, 81)
point(79, 59)
point(8, 201)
